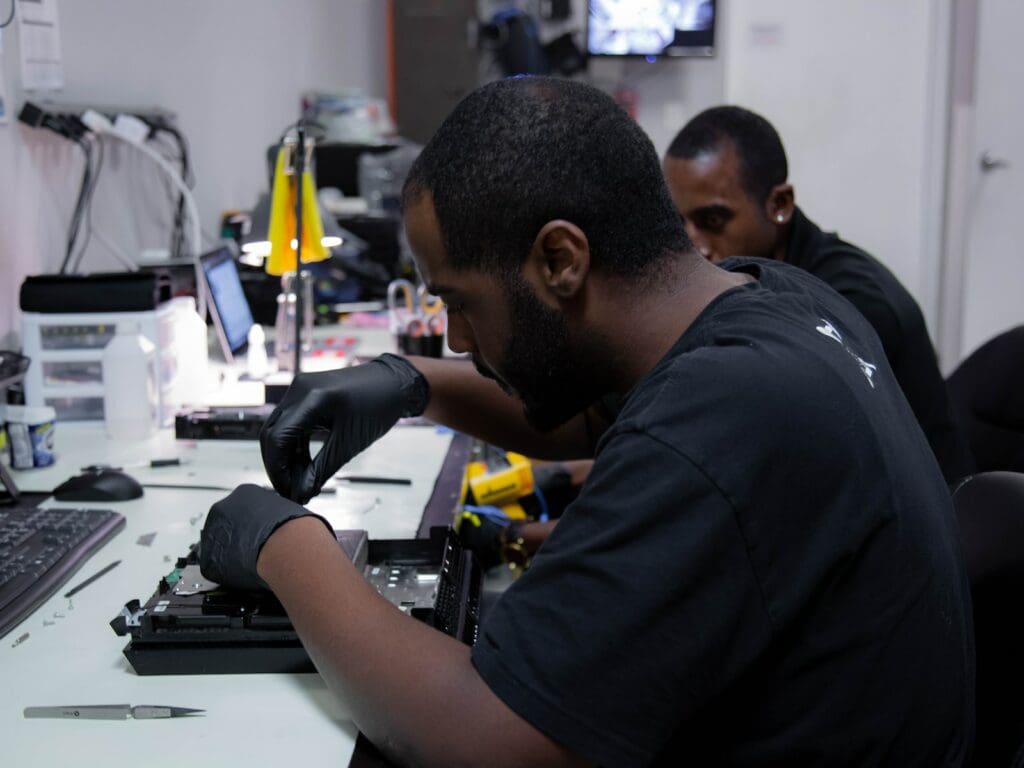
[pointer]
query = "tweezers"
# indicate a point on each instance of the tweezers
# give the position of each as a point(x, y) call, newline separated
point(110, 712)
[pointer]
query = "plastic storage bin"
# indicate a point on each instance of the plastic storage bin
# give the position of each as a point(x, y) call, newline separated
point(66, 350)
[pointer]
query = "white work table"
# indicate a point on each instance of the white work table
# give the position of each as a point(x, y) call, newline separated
point(72, 656)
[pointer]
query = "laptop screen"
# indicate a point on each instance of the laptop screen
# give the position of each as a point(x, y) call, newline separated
point(228, 305)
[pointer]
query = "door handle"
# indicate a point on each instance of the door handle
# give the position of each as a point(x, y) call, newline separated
point(989, 163)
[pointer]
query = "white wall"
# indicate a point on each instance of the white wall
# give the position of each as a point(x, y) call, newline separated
point(855, 90)
point(232, 71)
point(668, 91)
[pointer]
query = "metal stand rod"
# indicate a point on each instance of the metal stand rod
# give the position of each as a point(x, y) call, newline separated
point(300, 168)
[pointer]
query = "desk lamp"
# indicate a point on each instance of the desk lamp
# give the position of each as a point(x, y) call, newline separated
point(296, 237)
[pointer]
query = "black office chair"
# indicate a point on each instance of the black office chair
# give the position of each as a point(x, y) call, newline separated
point(987, 392)
point(990, 508)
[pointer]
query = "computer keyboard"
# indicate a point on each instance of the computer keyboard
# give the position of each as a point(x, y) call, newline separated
point(40, 549)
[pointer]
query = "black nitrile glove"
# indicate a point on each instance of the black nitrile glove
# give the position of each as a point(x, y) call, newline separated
point(356, 405)
point(481, 536)
point(235, 531)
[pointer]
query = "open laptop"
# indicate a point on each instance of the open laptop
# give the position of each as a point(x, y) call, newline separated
point(232, 317)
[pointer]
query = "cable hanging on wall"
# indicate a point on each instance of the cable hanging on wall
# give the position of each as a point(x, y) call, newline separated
point(10, 16)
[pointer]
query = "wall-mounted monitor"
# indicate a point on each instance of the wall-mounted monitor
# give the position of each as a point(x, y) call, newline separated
point(650, 28)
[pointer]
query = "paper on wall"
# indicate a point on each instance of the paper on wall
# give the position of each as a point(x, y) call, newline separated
point(42, 66)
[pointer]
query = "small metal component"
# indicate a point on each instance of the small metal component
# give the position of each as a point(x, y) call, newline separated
point(192, 582)
point(48, 623)
point(132, 614)
point(20, 640)
point(145, 539)
point(59, 615)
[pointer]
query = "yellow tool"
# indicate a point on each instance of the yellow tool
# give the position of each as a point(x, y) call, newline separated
point(501, 487)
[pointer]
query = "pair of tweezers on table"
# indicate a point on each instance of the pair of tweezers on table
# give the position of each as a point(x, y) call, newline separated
point(110, 712)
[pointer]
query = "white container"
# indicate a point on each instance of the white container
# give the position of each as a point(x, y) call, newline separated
point(131, 404)
point(256, 363)
point(66, 350)
point(192, 352)
point(30, 435)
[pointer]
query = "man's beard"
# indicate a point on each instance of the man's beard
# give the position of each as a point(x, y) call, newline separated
point(552, 376)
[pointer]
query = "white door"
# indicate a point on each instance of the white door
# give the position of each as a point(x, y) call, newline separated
point(993, 274)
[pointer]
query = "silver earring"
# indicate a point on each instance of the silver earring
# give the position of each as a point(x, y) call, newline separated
point(780, 218)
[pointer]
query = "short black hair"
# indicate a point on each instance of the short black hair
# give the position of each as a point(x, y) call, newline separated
point(758, 146)
point(518, 153)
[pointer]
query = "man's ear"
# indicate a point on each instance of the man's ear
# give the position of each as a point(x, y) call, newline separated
point(560, 258)
point(780, 204)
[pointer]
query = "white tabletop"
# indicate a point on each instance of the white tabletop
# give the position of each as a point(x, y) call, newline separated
point(72, 656)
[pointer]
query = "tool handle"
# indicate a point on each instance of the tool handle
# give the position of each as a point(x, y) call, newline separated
point(86, 712)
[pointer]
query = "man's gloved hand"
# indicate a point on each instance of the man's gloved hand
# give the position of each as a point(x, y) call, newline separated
point(480, 535)
point(356, 405)
point(235, 531)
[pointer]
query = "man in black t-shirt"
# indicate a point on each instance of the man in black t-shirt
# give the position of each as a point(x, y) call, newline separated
point(727, 173)
point(763, 566)
point(768, 568)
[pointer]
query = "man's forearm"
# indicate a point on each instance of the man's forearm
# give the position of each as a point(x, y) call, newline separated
point(411, 689)
point(466, 401)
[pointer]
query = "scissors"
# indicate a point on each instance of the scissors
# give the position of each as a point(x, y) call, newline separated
point(413, 311)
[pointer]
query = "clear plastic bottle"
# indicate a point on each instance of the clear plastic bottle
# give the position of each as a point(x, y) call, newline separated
point(130, 396)
point(256, 364)
point(193, 352)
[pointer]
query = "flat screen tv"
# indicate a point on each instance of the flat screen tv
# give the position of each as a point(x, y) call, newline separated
point(650, 28)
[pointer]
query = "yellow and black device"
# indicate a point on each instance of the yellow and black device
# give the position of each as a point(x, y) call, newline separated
point(502, 480)
point(499, 484)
